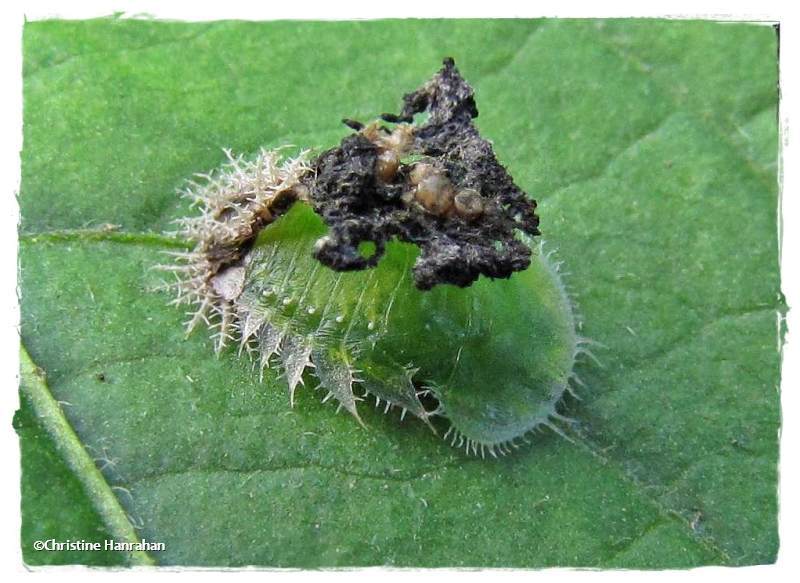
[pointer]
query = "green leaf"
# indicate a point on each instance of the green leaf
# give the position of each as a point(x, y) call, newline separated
point(652, 148)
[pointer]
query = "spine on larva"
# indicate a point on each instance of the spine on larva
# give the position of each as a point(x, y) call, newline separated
point(232, 205)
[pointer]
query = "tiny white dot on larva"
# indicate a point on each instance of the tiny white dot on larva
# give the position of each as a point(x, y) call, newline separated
point(339, 319)
point(287, 301)
point(311, 310)
point(371, 326)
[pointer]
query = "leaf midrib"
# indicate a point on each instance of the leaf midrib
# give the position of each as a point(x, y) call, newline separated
point(50, 415)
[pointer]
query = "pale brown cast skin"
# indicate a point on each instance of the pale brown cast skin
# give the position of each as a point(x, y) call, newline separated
point(429, 187)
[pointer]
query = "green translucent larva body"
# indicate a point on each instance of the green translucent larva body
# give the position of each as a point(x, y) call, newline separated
point(453, 315)
point(497, 356)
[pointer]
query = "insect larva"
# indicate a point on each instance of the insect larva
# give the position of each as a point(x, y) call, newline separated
point(281, 267)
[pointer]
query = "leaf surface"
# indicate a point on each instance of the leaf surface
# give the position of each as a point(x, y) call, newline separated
point(652, 147)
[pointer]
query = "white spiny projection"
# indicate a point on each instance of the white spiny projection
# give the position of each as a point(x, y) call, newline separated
point(232, 203)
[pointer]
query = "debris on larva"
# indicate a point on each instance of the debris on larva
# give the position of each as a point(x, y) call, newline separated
point(362, 267)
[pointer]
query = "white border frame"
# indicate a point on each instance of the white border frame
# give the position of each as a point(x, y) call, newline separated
point(789, 229)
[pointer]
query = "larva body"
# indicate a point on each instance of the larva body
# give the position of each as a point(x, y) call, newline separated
point(454, 313)
point(497, 356)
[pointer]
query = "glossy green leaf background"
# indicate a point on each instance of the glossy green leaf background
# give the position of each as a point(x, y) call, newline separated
point(652, 147)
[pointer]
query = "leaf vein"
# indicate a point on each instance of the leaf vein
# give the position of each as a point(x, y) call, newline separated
point(52, 418)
